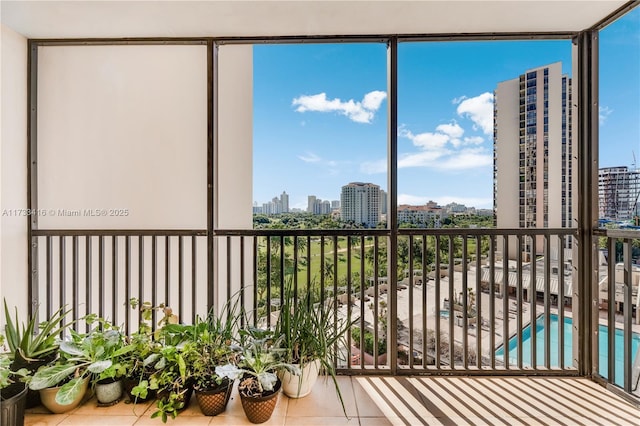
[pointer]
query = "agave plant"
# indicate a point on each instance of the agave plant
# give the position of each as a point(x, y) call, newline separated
point(34, 341)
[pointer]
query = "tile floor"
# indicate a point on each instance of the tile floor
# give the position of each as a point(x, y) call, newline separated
point(373, 401)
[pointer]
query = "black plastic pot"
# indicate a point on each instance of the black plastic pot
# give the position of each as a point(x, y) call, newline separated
point(33, 397)
point(129, 384)
point(12, 404)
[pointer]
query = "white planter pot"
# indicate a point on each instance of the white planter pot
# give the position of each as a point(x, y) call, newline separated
point(298, 386)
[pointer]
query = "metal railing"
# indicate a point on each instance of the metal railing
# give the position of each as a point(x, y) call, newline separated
point(454, 303)
point(617, 347)
point(433, 312)
point(100, 271)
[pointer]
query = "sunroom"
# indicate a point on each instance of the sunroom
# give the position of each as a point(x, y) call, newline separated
point(129, 155)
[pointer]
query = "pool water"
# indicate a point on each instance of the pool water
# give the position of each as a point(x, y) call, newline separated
point(568, 350)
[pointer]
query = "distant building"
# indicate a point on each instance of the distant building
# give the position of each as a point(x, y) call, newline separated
point(420, 215)
point(316, 205)
point(453, 208)
point(335, 204)
point(360, 203)
point(383, 202)
point(618, 193)
point(275, 206)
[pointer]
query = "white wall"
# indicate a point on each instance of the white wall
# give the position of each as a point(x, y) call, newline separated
point(234, 163)
point(122, 137)
point(13, 160)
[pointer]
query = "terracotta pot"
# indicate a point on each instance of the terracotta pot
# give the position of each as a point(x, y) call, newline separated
point(48, 397)
point(299, 386)
point(108, 391)
point(12, 404)
point(260, 409)
point(214, 401)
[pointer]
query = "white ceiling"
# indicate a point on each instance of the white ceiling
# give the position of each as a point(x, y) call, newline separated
point(91, 19)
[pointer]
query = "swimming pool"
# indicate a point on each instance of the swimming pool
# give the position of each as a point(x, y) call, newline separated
point(568, 350)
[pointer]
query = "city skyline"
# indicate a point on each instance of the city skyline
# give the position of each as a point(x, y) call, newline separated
point(320, 113)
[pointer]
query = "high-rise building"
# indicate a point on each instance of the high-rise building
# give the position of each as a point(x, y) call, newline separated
point(533, 173)
point(383, 202)
point(311, 202)
point(618, 193)
point(284, 202)
point(360, 203)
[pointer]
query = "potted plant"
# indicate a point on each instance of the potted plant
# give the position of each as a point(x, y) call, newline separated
point(12, 393)
point(35, 344)
point(169, 376)
point(83, 358)
point(212, 347)
point(312, 338)
point(138, 363)
point(257, 370)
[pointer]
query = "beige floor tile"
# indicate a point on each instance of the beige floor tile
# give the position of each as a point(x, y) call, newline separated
point(178, 421)
point(43, 419)
point(243, 421)
point(380, 421)
point(94, 420)
point(324, 402)
point(321, 421)
point(40, 409)
point(227, 420)
point(366, 405)
point(119, 409)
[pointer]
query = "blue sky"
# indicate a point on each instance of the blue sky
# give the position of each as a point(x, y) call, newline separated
point(320, 113)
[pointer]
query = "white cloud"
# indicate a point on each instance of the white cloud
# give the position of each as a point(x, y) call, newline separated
point(360, 112)
point(447, 159)
point(453, 130)
point(420, 159)
point(310, 157)
point(473, 140)
point(603, 113)
point(466, 159)
point(427, 140)
point(479, 110)
point(457, 100)
point(373, 100)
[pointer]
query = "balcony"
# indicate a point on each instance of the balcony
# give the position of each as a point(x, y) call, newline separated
point(455, 308)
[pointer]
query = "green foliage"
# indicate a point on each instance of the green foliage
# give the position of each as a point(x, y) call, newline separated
point(23, 340)
point(95, 355)
point(260, 361)
point(369, 339)
point(310, 330)
point(7, 376)
point(212, 346)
